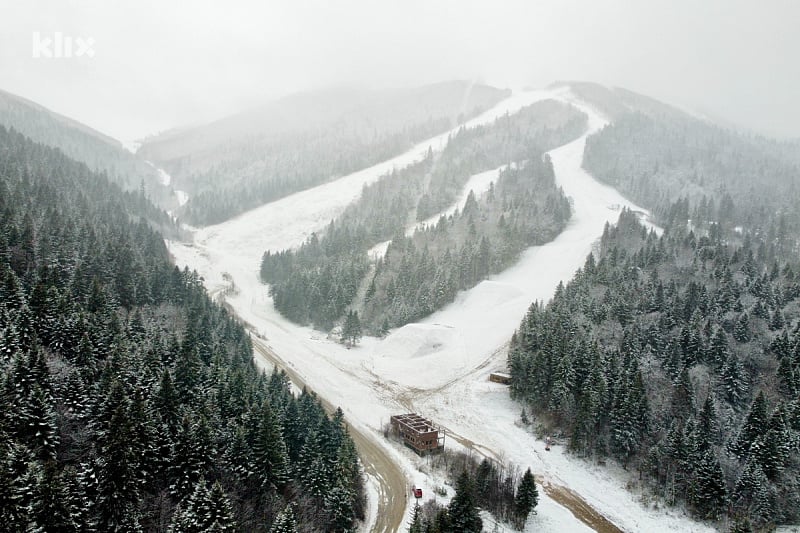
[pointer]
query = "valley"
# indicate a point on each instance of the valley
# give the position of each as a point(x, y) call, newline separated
point(438, 366)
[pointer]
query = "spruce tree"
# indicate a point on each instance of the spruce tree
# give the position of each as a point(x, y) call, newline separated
point(708, 493)
point(270, 458)
point(755, 425)
point(285, 521)
point(416, 525)
point(463, 510)
point(526, 500)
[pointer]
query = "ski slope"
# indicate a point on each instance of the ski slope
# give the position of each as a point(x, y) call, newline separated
point(439, 366)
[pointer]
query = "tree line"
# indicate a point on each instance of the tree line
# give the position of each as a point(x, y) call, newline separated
point(333, 272)
point(486, 485)
point(132, 401)
point(678, 355)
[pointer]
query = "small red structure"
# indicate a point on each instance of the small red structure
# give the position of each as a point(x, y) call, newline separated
point(417, 492)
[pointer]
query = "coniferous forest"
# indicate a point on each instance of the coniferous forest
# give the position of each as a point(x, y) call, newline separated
point(679, 353)
point(131, 400)
point(422, 272)
point(303, 140)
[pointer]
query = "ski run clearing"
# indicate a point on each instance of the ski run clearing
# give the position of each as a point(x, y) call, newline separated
point(439, 367)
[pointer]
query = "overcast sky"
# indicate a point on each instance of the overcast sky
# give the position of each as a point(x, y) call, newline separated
point(160, 64)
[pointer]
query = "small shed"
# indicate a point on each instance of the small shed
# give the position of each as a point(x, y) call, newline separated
point(418, 433)
point(500, 377)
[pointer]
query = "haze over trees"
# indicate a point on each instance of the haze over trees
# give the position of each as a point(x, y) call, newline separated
point(81, 143)
point(131, 400)
point(249, 159)
point(422, 272)
point(677, 354)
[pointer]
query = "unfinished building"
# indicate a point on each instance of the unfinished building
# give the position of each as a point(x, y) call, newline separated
point(418, 433)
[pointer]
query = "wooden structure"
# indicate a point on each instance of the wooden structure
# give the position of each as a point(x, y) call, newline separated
point(418, 433)
point(500, 377)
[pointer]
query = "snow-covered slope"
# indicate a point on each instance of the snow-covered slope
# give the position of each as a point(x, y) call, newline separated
point(438, 367)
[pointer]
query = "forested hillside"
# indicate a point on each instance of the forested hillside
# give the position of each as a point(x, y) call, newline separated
point(303, 140)
point(330, 273)
point(81, 143)
point(131, 400)
point(655, 160)
point(679, 354)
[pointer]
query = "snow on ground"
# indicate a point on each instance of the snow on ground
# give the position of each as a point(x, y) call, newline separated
point(163, 177)
point(439, 366)
point(477, 184)
point(182, 197)
point(131, 146)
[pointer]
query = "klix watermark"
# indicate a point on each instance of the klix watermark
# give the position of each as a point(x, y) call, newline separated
point(60, 46)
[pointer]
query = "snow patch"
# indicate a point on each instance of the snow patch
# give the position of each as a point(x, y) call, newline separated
point(416, 340)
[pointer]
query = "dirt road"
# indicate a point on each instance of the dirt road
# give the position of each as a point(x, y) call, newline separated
point(392, 484)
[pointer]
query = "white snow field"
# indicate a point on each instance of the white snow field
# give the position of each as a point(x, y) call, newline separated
point(438, 367)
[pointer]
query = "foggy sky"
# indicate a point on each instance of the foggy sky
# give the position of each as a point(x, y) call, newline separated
point(161, 64)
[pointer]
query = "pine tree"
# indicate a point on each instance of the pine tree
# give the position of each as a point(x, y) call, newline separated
point(732, 378)
point(192, 456)
point(14, 492)
point(463, 510)
point(51, 508)
point(351, 330)
point(285, 521)
point(526, 500)
point(718, 348)
point(270, 458)
point(755, 425)
point(339, 507)
point(116, 467)
point(741, 330)
point(204, 511)
point(708, 493)
point(416, 525)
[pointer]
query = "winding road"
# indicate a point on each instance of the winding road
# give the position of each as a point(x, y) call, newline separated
point(366, 382)
point(392, 484)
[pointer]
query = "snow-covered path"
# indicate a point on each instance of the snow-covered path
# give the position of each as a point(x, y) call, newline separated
point(438, 366)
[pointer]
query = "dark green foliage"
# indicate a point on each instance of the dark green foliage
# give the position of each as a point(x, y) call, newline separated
point(527, 499)
point(285, 522)
point(204, 511)
point(620, 355)
point(351, 329)
point(708, 493)
point(100, 153)
point(463, 509)
point(131, 399)
point(486, 485)
point(416, 525)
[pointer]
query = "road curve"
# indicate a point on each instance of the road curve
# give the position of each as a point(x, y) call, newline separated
point(392, 484)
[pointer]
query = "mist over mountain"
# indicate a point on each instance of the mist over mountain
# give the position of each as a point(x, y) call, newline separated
point(436, 267)
point(240, 162)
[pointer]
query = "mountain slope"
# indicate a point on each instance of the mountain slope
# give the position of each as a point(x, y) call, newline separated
point(303, 140)
point(79, 142)
point(131, 400)
point(421, 274)
point(677, 354)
